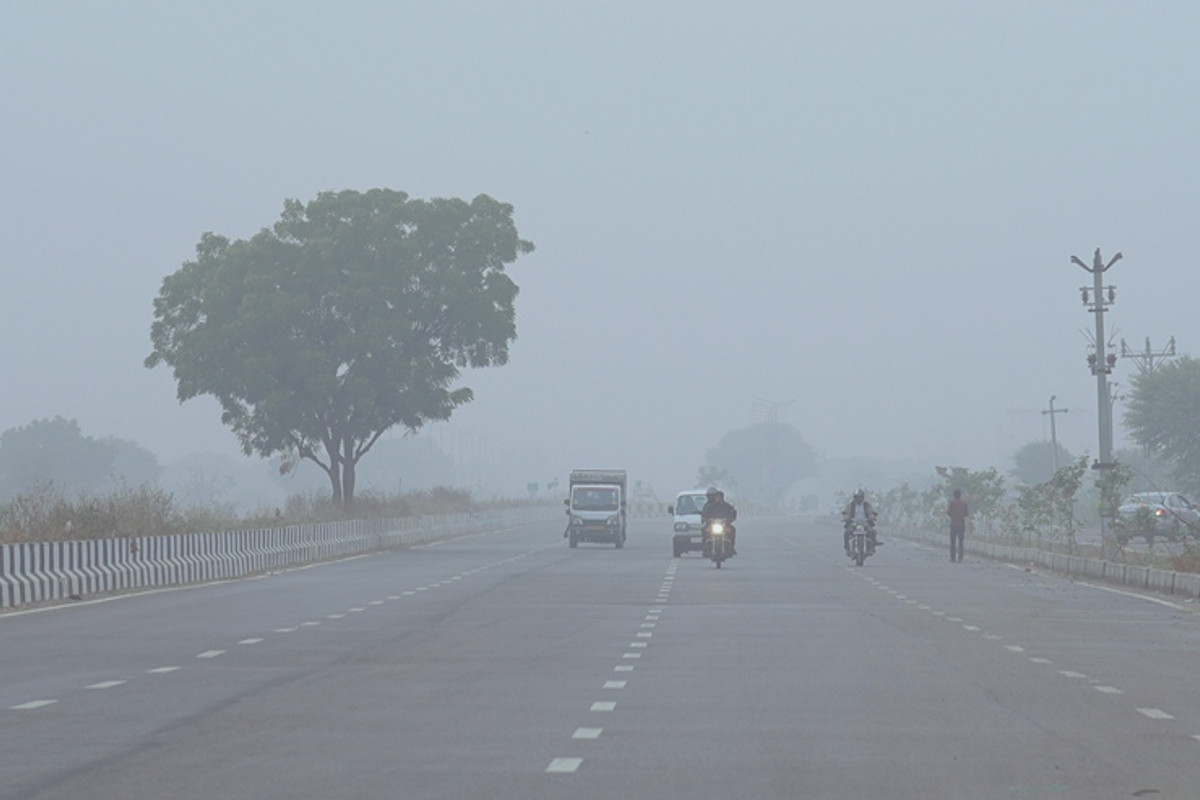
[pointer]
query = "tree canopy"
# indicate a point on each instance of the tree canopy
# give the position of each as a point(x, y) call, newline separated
point(1163, 414)
point(761, 461)
point(1035, 462)
point(55, 451)
point(353, 314)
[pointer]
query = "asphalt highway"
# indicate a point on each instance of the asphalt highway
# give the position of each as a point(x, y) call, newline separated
point(506, 665)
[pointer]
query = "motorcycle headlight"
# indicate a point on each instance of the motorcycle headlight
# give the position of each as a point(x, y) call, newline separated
point(718, 529)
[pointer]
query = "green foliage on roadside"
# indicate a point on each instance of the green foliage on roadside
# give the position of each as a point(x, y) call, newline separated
point(47, 514)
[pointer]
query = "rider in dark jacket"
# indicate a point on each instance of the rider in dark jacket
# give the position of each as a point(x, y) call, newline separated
point(717, 508)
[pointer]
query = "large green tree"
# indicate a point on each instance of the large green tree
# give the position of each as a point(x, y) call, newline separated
point(353, 314)
point(1162, 413)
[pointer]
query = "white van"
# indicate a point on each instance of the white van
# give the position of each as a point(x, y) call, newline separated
point(686, 511)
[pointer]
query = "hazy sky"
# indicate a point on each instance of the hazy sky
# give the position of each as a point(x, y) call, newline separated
point(858, 214)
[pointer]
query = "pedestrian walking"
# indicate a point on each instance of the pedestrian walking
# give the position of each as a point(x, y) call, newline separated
point(957, 511)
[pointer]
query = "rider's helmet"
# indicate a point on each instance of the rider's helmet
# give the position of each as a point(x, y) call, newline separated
point(859, 496)
point(712, 493)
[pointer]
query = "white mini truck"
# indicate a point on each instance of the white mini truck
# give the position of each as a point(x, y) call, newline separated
point(596, 507)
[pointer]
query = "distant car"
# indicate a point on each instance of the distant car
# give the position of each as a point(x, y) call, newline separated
point(1172, 512)
point(686, 513)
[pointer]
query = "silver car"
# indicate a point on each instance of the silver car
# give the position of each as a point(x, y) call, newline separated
point(1173, 514)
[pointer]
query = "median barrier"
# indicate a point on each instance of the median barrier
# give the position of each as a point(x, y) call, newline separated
point(34, 572)
point(1180, 584)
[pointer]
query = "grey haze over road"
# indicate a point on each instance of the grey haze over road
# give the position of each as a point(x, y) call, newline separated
point(864, 210)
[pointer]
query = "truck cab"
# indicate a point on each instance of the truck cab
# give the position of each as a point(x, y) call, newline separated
point(686, 513)
point(596, 507)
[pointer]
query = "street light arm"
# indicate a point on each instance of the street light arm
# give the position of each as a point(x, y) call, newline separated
point(1075, 260)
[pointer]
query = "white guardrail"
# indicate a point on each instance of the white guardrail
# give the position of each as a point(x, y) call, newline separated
point(35, 572)
point(1183, 584)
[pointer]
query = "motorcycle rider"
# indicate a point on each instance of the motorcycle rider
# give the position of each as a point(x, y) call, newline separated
point(717, 508)
point(859, 509)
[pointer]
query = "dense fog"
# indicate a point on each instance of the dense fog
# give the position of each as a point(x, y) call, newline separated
point(854, 219)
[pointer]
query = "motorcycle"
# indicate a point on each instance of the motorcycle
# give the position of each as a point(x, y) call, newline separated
point(862, 543)
point(717, 543)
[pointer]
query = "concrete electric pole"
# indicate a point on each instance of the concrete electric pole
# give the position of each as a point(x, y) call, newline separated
point(1053, 435)
point(1097, 298)
point(1147, 361)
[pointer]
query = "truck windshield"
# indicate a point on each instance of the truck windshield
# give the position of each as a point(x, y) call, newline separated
point(596, 499)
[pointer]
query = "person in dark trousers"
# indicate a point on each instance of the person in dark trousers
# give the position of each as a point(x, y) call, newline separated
point(957, 511)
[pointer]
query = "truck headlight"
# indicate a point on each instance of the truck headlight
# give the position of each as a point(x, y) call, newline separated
point(614, 520)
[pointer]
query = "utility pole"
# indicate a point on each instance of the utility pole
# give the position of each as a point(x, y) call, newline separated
point(1146, 364)
point(772, 410)
point(1097, 298)
point(1053, 435)
point(1145, 359)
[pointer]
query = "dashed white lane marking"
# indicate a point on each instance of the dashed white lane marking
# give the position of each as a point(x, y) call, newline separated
point(1066, 673)
point(1155, 713)
point(104, 685)
point(1109, 690)
point(1014, 648)
point(1040, 660)
point(375, 603)
point(357, 610)
point(285, 630)
point(971, 628)
point(162, 670)
point(309, 624)
point(251, 641)
point(953, 619)
point(335, 616)
point(614, 684)
point(644, 634)
point(603, 706)
point(648, 625)
point(623, 668)
point(587, 733)
point(639, 644)
point(564, 765)
point(409, 593)
point(210, 654)
point(992, 637)
point(631, 655)
point(33, 704)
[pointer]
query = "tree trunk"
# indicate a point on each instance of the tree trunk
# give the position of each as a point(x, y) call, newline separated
point(349, 463)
